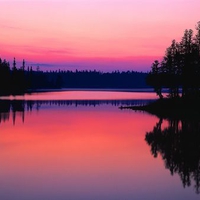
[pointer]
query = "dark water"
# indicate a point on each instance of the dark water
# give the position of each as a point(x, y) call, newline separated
point(90, 149)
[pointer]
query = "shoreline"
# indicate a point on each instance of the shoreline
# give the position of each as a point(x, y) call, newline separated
point(170, 108)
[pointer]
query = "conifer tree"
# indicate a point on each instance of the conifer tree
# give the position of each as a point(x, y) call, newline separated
point(180, 67)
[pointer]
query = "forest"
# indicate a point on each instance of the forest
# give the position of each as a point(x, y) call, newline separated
point(18, 80)
point(179, 71)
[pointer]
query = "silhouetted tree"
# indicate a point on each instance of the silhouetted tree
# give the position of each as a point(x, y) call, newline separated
point(180, 67)
point(18, 80)
point(5, 76)
point(155, 78)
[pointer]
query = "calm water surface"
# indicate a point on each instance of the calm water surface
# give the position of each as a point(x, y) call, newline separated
point(71, 148)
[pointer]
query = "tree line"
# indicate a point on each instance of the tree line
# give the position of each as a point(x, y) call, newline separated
point(97, 79)
point(18, 80)
point(179, 71)
point(12, 80)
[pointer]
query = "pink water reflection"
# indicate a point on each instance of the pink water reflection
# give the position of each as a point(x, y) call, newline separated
point(82, 154)
point(84, 95)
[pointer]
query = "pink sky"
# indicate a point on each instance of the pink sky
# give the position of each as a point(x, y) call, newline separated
point(93, 34)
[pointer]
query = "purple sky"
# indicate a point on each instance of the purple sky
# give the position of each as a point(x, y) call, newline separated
point(93, 34)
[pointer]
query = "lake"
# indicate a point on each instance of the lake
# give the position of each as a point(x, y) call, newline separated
point(78, 145)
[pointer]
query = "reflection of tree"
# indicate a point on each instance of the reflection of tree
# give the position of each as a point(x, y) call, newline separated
point(179, 147)
point(4, 111)
point(8, 107)
point(19, 107)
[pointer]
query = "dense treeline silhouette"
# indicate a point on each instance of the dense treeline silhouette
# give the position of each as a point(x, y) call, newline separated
point(12, 81)
point(180, 67)
point(96, 79)
point(19, 80)
point(88, 79)
point(179, 147)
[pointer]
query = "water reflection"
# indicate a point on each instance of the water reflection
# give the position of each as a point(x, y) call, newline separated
point(178, 144)
point(80, 150)
point(76, 153)
point(13, 108)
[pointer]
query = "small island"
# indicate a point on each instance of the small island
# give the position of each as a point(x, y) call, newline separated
point(179, 74)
